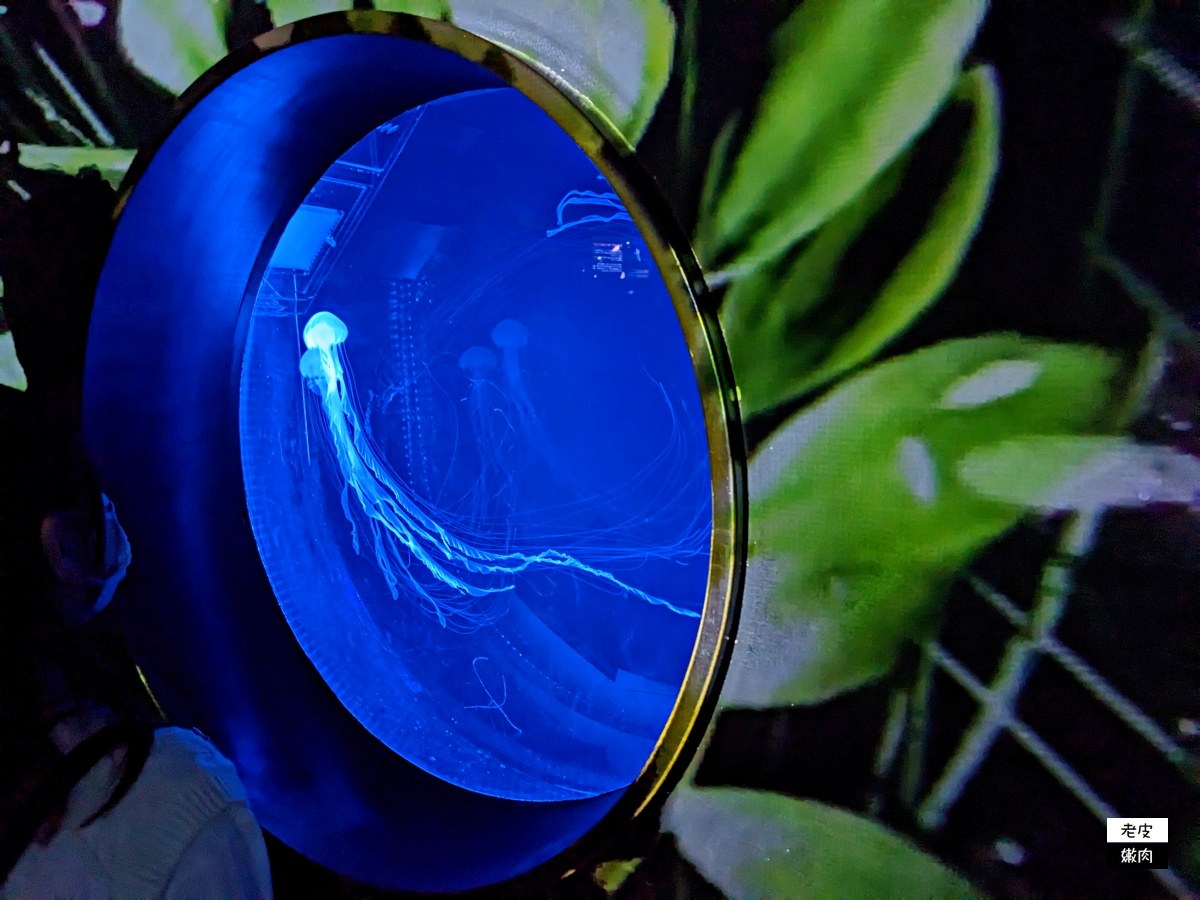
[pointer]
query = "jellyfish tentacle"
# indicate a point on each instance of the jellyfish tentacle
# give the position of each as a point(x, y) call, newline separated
point(511, 336)
point(479, 363)
point(394, 514)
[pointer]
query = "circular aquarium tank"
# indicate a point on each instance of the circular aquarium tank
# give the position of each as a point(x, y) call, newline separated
point(404, 381)
point(474, 451)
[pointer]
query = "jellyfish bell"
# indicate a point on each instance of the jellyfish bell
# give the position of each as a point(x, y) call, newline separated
point(324, 330)
point(510, 335)
point(311, 365)
point(477, 361)
point(313, 370)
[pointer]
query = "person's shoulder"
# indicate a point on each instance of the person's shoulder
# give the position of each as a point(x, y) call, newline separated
point(207, 819)
point(183, 756)
point(185, 788)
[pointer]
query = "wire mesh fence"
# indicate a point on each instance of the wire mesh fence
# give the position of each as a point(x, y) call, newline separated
point(1150, 68)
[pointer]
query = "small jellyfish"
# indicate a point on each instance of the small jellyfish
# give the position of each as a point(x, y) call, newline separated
point(324, 330)
point(510, 336)
point(478, 361)
point(312, 367)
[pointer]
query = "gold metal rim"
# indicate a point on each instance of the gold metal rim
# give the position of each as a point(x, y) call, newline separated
point(614, 157)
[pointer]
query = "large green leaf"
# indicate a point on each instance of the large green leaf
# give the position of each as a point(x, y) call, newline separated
point(718, 164)
point(778, 318)
point(754, 844)
point(617, 54)
point(1058, 472)
point(173, 43)
point(765, 313)
point(855, 82)
point(111, 162)
point(858, 519)
point(928, 268)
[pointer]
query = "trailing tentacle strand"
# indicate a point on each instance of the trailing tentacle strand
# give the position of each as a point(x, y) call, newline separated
point(403, 533)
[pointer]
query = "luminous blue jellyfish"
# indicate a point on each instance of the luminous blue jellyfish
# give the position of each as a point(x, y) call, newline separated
point(417, 546)
point(510, 336)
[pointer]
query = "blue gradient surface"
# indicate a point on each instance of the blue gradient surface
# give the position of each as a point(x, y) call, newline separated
point(474, 453)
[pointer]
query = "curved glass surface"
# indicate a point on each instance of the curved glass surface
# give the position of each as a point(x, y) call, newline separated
point(474, 453)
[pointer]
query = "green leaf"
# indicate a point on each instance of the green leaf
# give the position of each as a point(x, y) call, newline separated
point(764, 313)
point(284, 12)
point(428, 9)
point(173, 43)
point(1060, 472)
point(781, 321)
point(609, 876)
point(858, 519)
point(928, 268)
point(112, 162)
point(753, 844)
point(616, 54)
point(11, 373)
point(855, 82)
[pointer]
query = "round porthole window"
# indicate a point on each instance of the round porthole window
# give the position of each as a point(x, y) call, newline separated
point(405, 384)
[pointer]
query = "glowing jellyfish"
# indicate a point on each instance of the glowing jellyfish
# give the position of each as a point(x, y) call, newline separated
point(510, 336)
point(324, 330)
point(416, 545)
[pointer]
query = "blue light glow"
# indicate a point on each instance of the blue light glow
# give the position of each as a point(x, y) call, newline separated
point(476, 462)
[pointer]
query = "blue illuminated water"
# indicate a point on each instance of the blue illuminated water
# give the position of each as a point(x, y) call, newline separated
point(474, 453)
